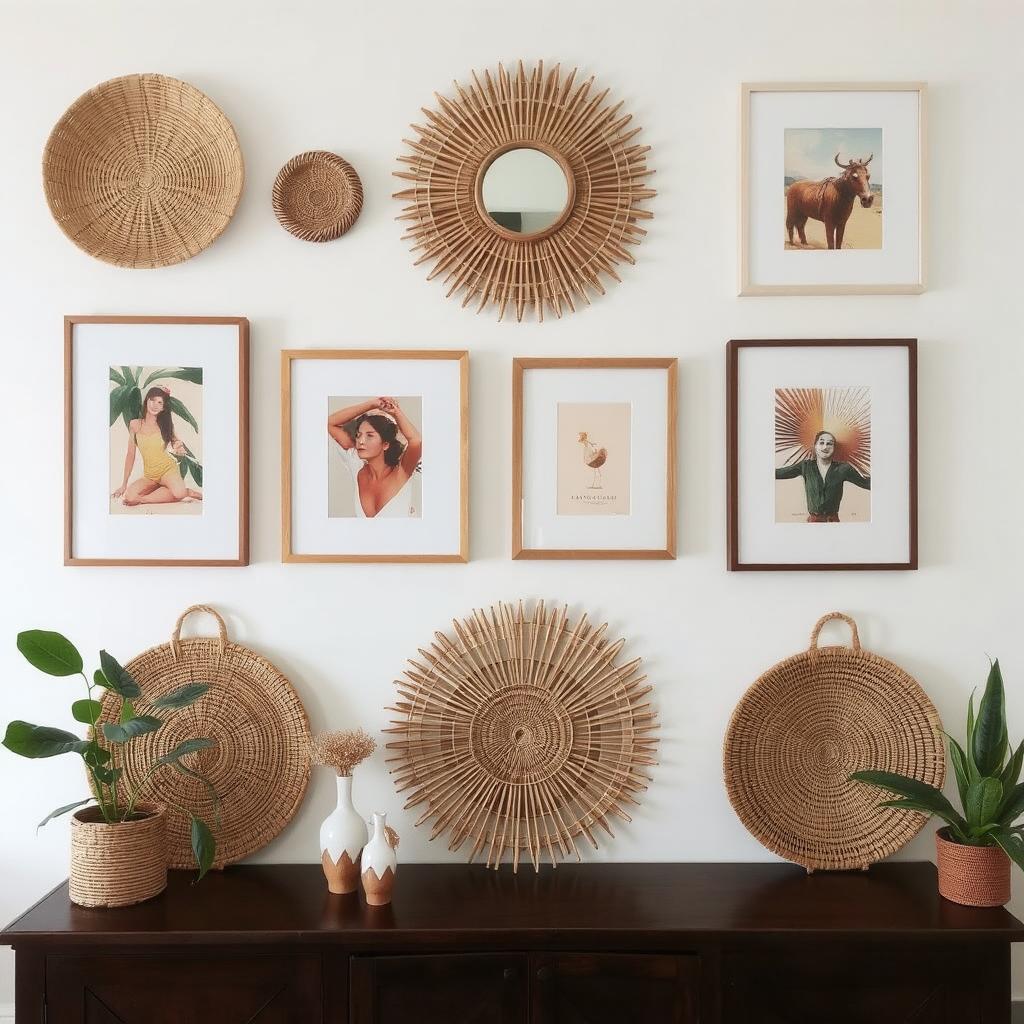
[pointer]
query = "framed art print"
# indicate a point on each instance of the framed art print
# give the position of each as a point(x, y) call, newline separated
point(822, 454)
point(832, 189)
point(156, 440)
point(593, 458)
point(374, 455)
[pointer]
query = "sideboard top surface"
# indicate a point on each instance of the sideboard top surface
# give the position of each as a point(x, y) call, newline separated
point(451, 903)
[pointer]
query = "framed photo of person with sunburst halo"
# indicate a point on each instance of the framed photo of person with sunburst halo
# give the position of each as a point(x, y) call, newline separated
point(822, 454)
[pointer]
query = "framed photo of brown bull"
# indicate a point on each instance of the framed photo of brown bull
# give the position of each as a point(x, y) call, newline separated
point(594, 458)
point(832, 190)
point(822, 454)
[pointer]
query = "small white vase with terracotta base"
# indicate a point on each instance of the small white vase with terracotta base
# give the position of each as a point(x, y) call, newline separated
point(976, 876)
point(380, 863)
point(342, 837)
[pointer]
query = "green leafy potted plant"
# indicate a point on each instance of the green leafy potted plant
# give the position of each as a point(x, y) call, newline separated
point(118, 849)
point(975, 847)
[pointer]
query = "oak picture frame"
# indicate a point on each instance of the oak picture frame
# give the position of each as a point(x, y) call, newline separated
point(733, 484)
point(71, 322)
point(288, 553)
point(665, 550)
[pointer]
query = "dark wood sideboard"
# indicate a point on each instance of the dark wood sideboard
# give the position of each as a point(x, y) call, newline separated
point(583, 944)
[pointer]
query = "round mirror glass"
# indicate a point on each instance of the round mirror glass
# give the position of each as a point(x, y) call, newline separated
point(525, 191)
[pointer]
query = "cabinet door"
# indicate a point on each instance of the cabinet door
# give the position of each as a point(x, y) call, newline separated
point(189, 989)
point(445, 989)
point(597, 988)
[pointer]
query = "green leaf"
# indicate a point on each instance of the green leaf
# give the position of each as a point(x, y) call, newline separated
point(86, 711)
point(189, 373)
point(913, 789)
point(118, 397)
point(127, 711)
point(63, 810)
point(41, 740)
point(983, 800)
point(178, 408)
point(204, 846)
point(116, 376)
point(132, 409)
point(960, 768)
point(980, 831)
point(50, 652)
point(955, 822)
point(185, 747)
point(181, 697)
point(131, 376)
point(1012, 806)
point(138, 726)
point(197, 471)
point(970, 731)
point(1012, 844)
point(1011, 773)
point(117, 679)
point(989, 742)
point(95, 755)
point(107, 775)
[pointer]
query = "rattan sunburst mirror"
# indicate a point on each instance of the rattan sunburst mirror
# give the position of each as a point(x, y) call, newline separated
point(525, 189)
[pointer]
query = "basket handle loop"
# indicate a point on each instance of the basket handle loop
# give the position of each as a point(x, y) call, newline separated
point(222, 628)
point(828, 618)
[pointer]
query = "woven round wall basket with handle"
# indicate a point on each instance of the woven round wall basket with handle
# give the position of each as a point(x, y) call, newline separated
point(799, 732)
point(259, 767)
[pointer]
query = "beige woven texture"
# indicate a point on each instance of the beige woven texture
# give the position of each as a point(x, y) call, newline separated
point(143, 171)
point(976, 876)
point(117, 865)
point(803, 727)
point(260, 765)
point(608, 171)
point(317, 196)
point(522, 734)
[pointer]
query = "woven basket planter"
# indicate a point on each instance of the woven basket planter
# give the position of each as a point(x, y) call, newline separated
point(121, 864)
point(803, 728)
point(976, 876)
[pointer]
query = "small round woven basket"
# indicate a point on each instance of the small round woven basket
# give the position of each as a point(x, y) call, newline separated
point(121, 864)
point(799, 732)
point(143, 171)
point(259, 767)
point(317, 196)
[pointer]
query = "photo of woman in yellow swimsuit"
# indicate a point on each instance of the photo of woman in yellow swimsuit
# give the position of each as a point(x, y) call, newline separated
point(154, 438)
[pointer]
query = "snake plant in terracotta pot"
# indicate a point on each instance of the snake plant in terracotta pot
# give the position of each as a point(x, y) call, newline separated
point(975, 847)
point(118, 848)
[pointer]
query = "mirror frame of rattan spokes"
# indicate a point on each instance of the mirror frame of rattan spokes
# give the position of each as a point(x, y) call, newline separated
point(550, 229)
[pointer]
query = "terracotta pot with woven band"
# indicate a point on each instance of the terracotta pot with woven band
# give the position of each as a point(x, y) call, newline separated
point(121, 864)
point(976, 876)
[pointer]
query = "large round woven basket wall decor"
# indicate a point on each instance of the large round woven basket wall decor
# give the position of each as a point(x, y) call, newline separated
point(143, 171)
point(317, 196)
point(522, 734)
point(525, 191)
point(259, 766)
point(799, 732)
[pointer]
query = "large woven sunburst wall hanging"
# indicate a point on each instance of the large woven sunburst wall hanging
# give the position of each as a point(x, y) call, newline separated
point(525, 190)
point(522, 734)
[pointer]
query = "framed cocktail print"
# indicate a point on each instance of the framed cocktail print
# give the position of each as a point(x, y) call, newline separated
point(594, 458)
point(374, 455)
point(156, 440)
point(822, 454)
point(832, 189)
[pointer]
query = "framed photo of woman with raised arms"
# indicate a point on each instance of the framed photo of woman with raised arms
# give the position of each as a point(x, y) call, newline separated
point(822, 454)
point(374, 456)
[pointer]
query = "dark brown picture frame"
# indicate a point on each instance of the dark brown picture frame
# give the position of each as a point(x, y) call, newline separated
point(70, 322)
point(733, 496)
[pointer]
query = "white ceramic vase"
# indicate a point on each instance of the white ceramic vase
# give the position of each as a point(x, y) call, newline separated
point(379, 864)
point(342, 838)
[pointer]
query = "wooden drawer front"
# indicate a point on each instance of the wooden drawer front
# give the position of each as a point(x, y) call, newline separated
point(445, 989)
point(186, 989)
point(604, 988)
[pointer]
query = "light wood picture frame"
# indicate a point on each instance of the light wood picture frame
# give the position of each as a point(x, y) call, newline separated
point(781, 395)
point(801, 124)
point(111, 364)
point(633, 400)
point(329, 509)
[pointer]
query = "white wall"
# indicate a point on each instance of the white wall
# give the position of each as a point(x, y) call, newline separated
point(350, 77)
